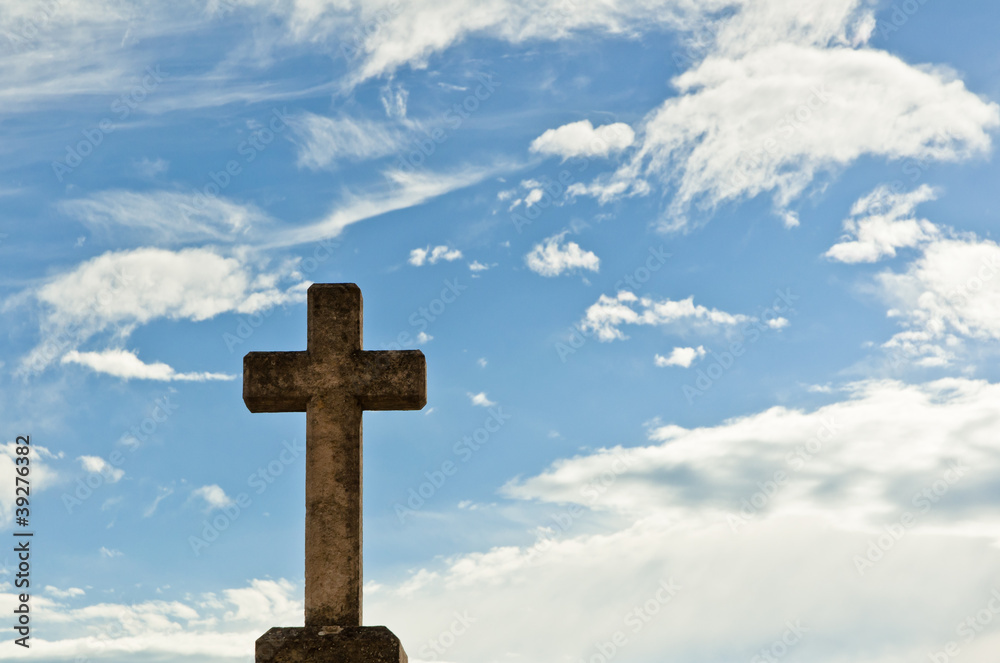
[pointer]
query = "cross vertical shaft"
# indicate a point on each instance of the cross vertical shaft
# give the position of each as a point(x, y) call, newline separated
point(333, 381)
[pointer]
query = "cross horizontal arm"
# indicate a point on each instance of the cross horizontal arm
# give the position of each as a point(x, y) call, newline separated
point(276, 381)
point(392, 380)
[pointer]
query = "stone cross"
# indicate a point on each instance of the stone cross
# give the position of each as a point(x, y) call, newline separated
point(333, 381)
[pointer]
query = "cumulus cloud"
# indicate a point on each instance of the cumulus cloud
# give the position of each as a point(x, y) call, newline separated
point(608, 314)
point(682, 357)
point(581, 139)
point(480, 399)
point(882, 222)
point(121, 290)
point(430, 256)
point(946, 296)
point(126, 365)
point(553, 256)
point(97, 465)
point(786, 93)
point(221, 625)
point(950, 293)
point(612, 524)
point(213, 496)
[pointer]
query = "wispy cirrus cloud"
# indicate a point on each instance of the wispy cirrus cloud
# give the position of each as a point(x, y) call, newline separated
point(406, 189)
point(166, 217)
point(326, 141)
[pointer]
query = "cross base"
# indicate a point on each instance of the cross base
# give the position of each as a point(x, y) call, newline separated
point(331, 644)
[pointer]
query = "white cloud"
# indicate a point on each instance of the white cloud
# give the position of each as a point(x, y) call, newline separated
point(165, 217)
point(480, 399)
point(214, 497)
point(609, 313)
point(481, 362)
point(882, 222)
point(948, 294)
point(126, 365)
point(431, 255)
point(325, 141)
point(220, 625)
point(476, 266)
point(412, 32)
point(394, 99)
point(533, 197)
point(71, 592)
point(110, 553)
point(150, 168)
point(97, 465)
point(581, 139)
point(121, 290)
point(898, 433)
point(781, 98)
point(661, 510)
point(406, 189)
point(163, 494)
point(424, 337)
point(552, 257)
point(682, 357)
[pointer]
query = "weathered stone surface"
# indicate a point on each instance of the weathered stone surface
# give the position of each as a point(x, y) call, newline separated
point(352, 644)
point(333, 381)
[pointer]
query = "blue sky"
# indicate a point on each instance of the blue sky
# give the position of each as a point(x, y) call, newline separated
point(724, 273)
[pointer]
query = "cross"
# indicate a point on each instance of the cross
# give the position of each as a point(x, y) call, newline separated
point(333, 381)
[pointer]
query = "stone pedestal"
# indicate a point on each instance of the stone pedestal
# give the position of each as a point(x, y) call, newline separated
point(331, 644)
